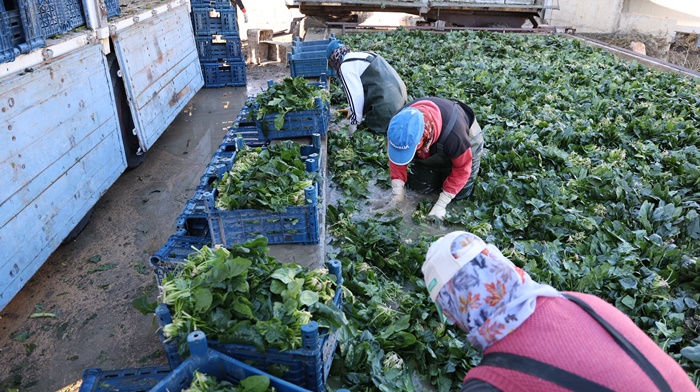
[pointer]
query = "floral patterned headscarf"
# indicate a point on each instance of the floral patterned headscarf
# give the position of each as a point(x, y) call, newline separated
point(336, 58)
point(489, 296)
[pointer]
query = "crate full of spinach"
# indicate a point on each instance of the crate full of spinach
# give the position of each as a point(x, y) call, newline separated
point(270, 191)
point(280, 318)
point(291, 108)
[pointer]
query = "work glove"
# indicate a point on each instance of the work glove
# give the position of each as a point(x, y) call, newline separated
point(398, 192)
point(245, 16)
point(351, 129)
point(345, 112)
point(385, 204)
point(439, 209)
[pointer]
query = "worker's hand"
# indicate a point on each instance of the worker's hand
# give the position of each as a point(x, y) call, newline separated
point(245, 17)
point(398, 195)
point(352, 128)
point(440, 208)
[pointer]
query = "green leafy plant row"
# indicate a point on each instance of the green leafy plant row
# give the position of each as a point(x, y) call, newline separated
point(590, 181)
point(242, 295)
point(270, 179)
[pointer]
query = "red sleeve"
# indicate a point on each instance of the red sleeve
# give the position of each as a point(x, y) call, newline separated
point(399, 172)
point(461, 171)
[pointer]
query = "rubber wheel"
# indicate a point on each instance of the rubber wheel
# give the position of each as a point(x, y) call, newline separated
point(79, 227)
point(126, 122)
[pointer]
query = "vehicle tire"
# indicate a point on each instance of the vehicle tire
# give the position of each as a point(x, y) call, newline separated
point(79, 227)
point(134, 157)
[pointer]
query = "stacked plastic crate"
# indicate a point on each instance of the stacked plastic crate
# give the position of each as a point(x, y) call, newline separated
point(308, 58)
point(218, 43)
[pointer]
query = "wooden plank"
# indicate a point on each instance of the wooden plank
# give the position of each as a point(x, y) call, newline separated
point(162, 76)
point(66, 145)
point(38, 241)
point(42, 150)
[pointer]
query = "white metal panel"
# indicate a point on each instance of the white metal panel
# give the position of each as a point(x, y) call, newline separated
point(60, 150)
point(160, 69)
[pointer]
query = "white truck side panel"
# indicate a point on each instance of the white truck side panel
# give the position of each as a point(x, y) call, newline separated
point(159, 60)
point(60, 150)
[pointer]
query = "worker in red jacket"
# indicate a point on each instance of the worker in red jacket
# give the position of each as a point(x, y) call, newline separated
point(442, 141)
point(535, 338)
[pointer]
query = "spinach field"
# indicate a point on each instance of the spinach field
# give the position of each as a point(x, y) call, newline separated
point(590, 181)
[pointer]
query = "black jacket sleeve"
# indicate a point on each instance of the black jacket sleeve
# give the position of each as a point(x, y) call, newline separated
point(476, 385)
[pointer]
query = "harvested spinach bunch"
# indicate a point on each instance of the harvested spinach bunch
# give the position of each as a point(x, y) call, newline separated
point(203, 383)
point(241, 295)
point(271, 178)
point(290, 95)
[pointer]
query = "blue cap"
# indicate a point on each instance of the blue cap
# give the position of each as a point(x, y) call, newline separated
point(404, 134)
point(332, 46)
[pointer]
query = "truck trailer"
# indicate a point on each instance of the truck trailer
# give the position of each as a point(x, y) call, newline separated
point(79, 104)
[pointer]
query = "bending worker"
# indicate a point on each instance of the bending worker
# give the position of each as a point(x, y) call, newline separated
point(535, 338)
point(373, 88)
point(443, 142)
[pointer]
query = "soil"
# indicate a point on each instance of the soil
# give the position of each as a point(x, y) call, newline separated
point(682, 50)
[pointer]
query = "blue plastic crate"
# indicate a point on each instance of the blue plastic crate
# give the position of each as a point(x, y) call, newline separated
point(309, 64)
point(224, 74)
point(223, 4)
point(219, 165)
point(8, 51)
point(296, 124)
point(297, 225)
point(193, 219)
point(44, 18)
point(209, 21)
point(219, 47)
point(113, 8)
point(123, 380)
point(307, 366)
point(170, 257)
point(217, 365)
point(74, 13)
point(323, 42)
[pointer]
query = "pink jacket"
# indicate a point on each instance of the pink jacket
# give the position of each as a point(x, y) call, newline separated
point(562, 334)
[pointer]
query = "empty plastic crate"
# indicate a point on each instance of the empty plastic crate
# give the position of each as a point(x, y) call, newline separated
point(8, 51)
point(209, 21)
point(123, 380)
point(217, 365)
point(211, 3)
point(307, 366)
point(309, 64)
point(219, 47)
point(45, 18)
point(113, 8)
point(323, 42)
point(74, 13)
point(297, 123)
point(224, 74)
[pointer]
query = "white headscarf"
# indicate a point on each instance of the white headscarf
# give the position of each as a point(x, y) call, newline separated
point(488, 297)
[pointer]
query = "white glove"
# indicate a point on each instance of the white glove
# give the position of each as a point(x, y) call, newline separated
point(398, 191)
point(439, 209)
point(245, 17)
point(352, 128)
